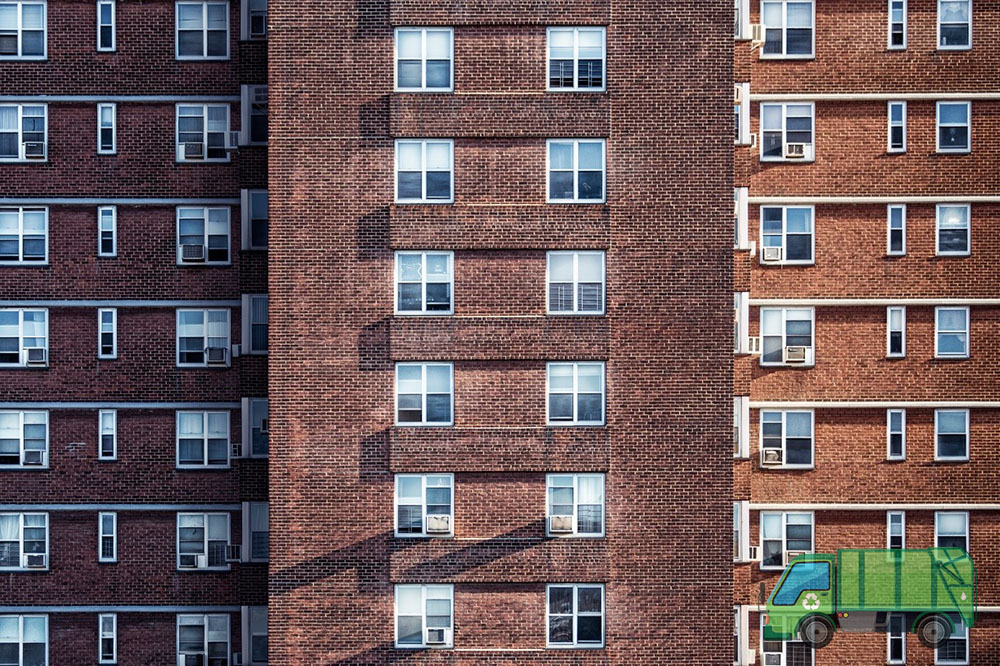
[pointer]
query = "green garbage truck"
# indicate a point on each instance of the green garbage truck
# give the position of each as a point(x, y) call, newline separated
point(859, 590)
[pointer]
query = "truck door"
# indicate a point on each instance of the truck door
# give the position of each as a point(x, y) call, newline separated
point(804, 590)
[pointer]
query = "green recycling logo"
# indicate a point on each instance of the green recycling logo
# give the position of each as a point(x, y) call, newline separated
point(811, 601)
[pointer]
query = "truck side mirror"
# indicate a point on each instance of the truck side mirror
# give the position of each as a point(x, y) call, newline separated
point(762, 598)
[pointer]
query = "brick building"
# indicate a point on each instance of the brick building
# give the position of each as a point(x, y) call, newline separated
point(866, 253)
point(133, 332)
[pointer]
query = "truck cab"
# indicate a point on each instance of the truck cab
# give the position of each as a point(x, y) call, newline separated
point(805, 590)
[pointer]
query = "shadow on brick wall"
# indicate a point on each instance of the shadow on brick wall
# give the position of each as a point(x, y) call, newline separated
point(373, 347)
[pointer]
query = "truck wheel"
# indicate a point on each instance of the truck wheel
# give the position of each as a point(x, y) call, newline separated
point(933, 631)
point(816, 631)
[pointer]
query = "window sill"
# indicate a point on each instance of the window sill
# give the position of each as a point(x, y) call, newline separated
point(896, 151)
point(24, 468)
point(575, 424)
point(951, 460)
point(947, 255)
point(578, 202)
point(204, 264)
point(787, 365)
point(574, 536)
point(179, 58)
point(894, 255)
point(964, 151)
point(810, 56)
point(418, 202)
point(203, 468)
point(951, 358)
point(895, 460)
point(7, 160)
point(23, 58)
point(575, 314)
point(204, 570)
point(576, 90)
point(23, 570)
point(24, 367)
point(213, 160)
point(25, 264)
point(425, 425)
point(788, 160)
point(441, 313)
point(786, 263)
point(419, 91)
point(954, 48)
point(426, 537)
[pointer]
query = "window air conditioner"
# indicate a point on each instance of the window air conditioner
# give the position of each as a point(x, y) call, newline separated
point(35, 355)
point(772, 659)
point(193, 150)
point(34, 561)
point(265, 426)
point(34, 457)
point(795, 354)
point(739, 94)
point(750, 656)
point(795, 150)
point(216, 355)
point(234, 552)
point(193, 659)
point(438, 524)
point(560, 524)
point(34, 150)
point(771, 457)
point(436, 636)
point(753, 345)
point(753, 554)
point(770, 255)
point(757, 33)
point(237, 450)
point(193, 252)
point(792, 554)
point(194, 561)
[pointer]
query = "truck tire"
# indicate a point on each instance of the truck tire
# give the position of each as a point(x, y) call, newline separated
point(933, 631)
point(816, 631)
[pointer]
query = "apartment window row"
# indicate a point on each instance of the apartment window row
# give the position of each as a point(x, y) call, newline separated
point(954, 127)
point(951, 332)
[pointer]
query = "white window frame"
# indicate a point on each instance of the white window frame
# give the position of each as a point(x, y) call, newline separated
point(968, 231)
point(575, 644)
point(22, 361)
point(248, 96)
point(967, 125)
point(248, 406)
point(745, 137)
point(741, 530)
point(113, 217)
point(205, 213)
point(423, 59)
point(784, 436)
point(247, 633)
point(100, 4)
point(114, 333)
point(20, 629)
point(20, 210)
point(204, 623)
point(906, 12)
point(742, 20)
point(179, 146)
point(23, 556)
point(102, 635)
point(810, 351)
point(424, 282)
point(576, 59)
point(891, 124)
point(204, 30)
point(889, 433)
point(888, 229)
point(965, 47)
point(960, 635)
point(204, 438)
point(20, 429)
point(20, 29)
point(966, 331)
point(575, 392)
point(449, 632)
point(576, 311)
point(889, 515)
point(204, 515)
point(783, 654)
point(102, 535)
point(423, 507)
point(247, 516)
point(204, 325)
point(784, 535)
point(246, 218)
point(784, 55)
point(785, 261)
point(575, 170)
point(248, 324)
point(889, 331)
point(968, 526)
point(423, 393)
point(20, 132)
point(968, 436)
point(741, 630)
point(890, 637)
point(741, 426)
point(576, 533)
point(741, 322)
point(423, 171)
point(810, 148)
point(101, 432)
point(246, 22)
point(741, 218)
point(101, 150)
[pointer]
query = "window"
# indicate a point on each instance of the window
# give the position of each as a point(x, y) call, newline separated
point(24, 541)
point(107, 639)
point(107, 231)
point(782, 533)
point(895, 323)
point(576, 58)
point(575, 282)
point(255, 219)
point(897, 127)
point(575, 393)
point(895, 530)
point(424, 505)
point(951, 433)
point(951, 335)
point(787, 132)
point(254, 19)
point(107, 537)
point(107, 421)
point(24, 235)
point(741, 114)
point(897, 24)
point(105, 25)
point(106, 139)
point(203, 236)
point(576, 171)
point(424, 59)
point(954, 236)
point(203, 639)
point(575, 504)
point(741, 426)
point(254, 107)
point(23, 337)
point(738, 531)
point(202, 30)
point(791, 434)
point(575, 616)
point(257, 533)
point(257, 625)
point(24, 639)
point(24, 439)
point(202, 539)
point(741, 322)
point(202, 338)
point(424, 393)
point(788, 28)
point(22, 30)
point(256, 426)
point(791, 230)
point(801, 577)
point(896, 637)
point(954, 24)
point(951, 529)
point(783, 329)
point(741, 218)
point(202, 439)
point(737, 635)
point(202, 132)
point(789, 653)
point(956, 649)
point(424, 615)
point(255, 324)
point(424, 282)
point(742, 26)
point(896, 230)
point(107, 338)
point(895, 422)
point(424, 171)
point(954, 127)
point(23, 129)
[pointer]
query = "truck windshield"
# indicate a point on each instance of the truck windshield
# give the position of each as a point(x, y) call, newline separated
point(803, 576)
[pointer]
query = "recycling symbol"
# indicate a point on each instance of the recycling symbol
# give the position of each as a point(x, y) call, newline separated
point(811, 601)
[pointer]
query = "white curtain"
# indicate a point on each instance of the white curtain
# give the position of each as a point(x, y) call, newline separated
point(10, 527)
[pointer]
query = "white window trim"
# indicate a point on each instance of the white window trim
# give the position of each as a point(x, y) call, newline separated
point(888, 529)
point(968, 437)
point(576, 393)
point(744, 530)
point(204, 623)
point(205, 515)
point(204, 438)
point(888, 229)
point(205, 211)
point(889, 431)
point(246, 631)
point(101, 535)
point(22, 362)
point(20, 130)
point(784, 436)
point(576, 312)
point(423, 312)
point(748, 655)
point(114, 230)
point(179, 147)
point(114, 37)
point(45, 32)
point(245, 23)
point(449, 633)
point(744, 27)
point(784, 536)
point(810, 351)
point(205, 311)
point(955, 662)
point(746, 136)
point(889, 106)
point(906, 17)
point(937, 128)
point(423, 172)
point(576, 533)
point(423, 504)
point(247, 94)
point(204, 30)
point(968, 333)
point(114, 333)
point(246, 219)
point(246, 414)
point(101, 636)
point(741, 410)
point(888, 331)
point(20, 630)
point(784, 646)
point(48, 541)
point(888, 644)
point(423, 393)
point(741, 305)
point(20, 427)
point(114, 129)
point(968, 526)
point(810, 151)
point(937, 231)
point(246, 311)
point(953, 48)
point(247, 549)
point(575, 645)
point(576, 59)
point(20, 229)
point(784, 34)
point(784, 235)
point(742, 218)
point(100, 435)
point(576, 171)
point(423, 59)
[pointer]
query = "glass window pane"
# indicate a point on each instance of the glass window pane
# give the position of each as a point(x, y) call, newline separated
point(408, 44)
point(590, 155)
point(409, 156)
point(438, 44)
point(560, 155)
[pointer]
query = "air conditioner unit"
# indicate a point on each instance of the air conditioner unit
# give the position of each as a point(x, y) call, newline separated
point(757, 33)
point(233, 142)
point(35, 355)
point(753, 345)
point(438, 524)
point(771, 457)
point(795, 354)
point(193, 561)
point(193, 252)
point(739, 94)
point(34, 457)
point(237, 450)
point(193, 659)
point(237, 659)
point(265, 426)
point(750, 656)
point(792, 554)
point(770, 255)
point(193, 150)
point(34, 150)
point(795, 150)
point(216, 355)
point(772, 659)
point(436, 636)
point(234, 552)
point(560, 524)
point(753, 554)
point(34, 561)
